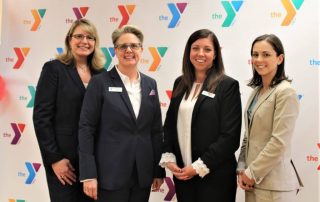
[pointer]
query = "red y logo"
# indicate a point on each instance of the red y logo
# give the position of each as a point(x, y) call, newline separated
point(125, 11)
point(21, 54)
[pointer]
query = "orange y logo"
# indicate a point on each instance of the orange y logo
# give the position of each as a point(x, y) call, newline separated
point(37, 15)
point(157, 54)
point(291, 6)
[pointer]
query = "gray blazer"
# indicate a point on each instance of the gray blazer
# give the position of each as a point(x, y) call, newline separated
point(266, 147)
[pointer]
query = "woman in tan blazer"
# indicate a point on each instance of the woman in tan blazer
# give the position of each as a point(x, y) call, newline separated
point(265, 169)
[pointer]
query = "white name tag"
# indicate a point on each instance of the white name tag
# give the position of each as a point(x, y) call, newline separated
point(206, 93)
point(115, 89)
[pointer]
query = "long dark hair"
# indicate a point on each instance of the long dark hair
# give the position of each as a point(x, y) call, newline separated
point(277, 46)
point(214, 74)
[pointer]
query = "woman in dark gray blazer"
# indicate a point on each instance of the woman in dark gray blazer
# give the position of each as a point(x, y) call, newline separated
point(60, 91)
point(202, 126)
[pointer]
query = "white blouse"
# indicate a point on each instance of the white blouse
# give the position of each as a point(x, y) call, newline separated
point(184, 133)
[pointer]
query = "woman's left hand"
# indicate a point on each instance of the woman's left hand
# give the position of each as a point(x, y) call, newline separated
point(156, 184)
point(186, 173)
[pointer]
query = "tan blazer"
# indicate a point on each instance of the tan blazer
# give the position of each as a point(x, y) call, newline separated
point(266, 147)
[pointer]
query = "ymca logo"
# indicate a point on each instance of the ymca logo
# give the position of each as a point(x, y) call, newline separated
point(176, 11)
point(18, 130)
point(59, 50)
point(33, 168)
point(37, 15)
point(126, 11)
point(80, 12)
point(109, 54)
point(291, 7)
point(231, 7)
point(172, 191)
point(16, 200)
point(32, 91)
point(157, 54)
point(21, 54)
point(169, 94)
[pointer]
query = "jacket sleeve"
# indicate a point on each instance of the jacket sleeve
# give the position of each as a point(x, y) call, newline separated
point(170, 124)
point(44, 114)
point(88, 125)
point(157, 136)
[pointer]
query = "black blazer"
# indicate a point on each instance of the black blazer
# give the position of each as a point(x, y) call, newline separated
point(112, 141)
point(215, 128)
point(56, 114)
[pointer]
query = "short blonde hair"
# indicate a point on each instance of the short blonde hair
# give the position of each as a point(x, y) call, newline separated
point(127, 29)
point(96, 59)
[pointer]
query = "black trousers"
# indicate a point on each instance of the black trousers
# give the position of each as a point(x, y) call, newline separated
point(133, 192)
point(65, 193)
point(206, 190)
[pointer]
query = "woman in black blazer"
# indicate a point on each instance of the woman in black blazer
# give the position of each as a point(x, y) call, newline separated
point(202, 126)
point(58, 102)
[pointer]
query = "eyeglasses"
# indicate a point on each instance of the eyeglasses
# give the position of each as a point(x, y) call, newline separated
point(124, 47)
point(81, 37)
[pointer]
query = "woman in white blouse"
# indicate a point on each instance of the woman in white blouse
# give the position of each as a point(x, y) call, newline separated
point(203, 123)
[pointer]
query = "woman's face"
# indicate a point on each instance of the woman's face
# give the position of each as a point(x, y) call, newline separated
point(202, 54)
point(265, 60)
point(81, 43)
point(128, 50)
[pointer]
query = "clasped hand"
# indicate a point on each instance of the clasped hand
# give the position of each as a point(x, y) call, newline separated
point(185, 173)
point(244, 182)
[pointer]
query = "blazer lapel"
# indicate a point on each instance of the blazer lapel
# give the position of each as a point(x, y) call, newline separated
point(124, 94)
point(144, 95)
point(197, 105)
point(261, 100)
point(247, 107)
point(72, 71)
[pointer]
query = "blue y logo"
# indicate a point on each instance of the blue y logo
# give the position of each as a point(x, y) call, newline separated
point(33, 168)
point(231, 9)
point(176, 10)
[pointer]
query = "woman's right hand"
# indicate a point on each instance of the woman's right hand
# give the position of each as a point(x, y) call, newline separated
point(174, 168)
point(90, 188)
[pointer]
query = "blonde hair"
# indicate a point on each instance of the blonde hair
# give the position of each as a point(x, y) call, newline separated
point(131, 29)
point(96, 59)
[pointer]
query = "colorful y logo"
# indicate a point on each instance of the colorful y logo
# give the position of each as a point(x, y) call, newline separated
point(176, 10)
point(18, 200)
point(231, 9)
point(109, 54)
point(21, 54)
point(37, 15)
point(32, 91)
point(125, 11)
point(157, 54)
point(172, 190)
point(18, 130)
point(80, 12)
point(169, 94)
point(291, 12)
point(33, 168)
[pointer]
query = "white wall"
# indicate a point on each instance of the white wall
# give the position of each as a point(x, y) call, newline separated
point(300, 38)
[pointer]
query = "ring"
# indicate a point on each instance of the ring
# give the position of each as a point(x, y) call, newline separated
point(62, 176)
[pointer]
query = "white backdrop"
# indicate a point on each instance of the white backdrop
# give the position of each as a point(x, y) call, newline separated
point(33, 31)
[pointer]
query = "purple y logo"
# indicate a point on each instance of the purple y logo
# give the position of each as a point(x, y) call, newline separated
point(172, 190)
point(18, 130)
point(80, 12)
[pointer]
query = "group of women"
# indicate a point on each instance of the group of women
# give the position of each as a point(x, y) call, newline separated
point(101, 137)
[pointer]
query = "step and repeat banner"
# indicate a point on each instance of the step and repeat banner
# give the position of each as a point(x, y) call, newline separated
point(33, 32)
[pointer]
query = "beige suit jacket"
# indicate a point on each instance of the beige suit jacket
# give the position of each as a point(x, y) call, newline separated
point(266, 147)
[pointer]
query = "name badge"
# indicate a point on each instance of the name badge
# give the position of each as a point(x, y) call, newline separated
point(206, 93)
point(115, 89)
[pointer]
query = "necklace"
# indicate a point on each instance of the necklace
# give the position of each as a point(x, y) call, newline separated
point(83, 67)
